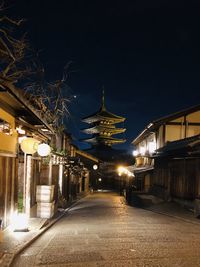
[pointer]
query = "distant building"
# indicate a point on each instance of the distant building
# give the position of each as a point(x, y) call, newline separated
point(102, 127)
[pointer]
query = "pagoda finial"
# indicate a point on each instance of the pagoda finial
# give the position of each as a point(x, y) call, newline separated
point(103, 100)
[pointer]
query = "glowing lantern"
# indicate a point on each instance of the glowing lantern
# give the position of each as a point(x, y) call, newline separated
point(29, 145)
point(43, 150)
point(95, 167)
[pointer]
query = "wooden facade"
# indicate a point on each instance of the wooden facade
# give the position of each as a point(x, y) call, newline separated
point(185, 178)
point(8, 188)
point(177, 126)
point(175, 155)
point(177, 169)
point(8, 166)
point(20, 173)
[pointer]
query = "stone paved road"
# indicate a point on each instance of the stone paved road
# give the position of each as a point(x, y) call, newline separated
point(102, 231)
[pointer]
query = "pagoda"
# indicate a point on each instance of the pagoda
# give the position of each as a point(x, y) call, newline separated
point(102, 128)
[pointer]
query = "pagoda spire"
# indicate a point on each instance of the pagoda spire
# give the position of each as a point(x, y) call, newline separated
point(103, 100)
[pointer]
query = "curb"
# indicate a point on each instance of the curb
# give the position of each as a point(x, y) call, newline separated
point(9, 258)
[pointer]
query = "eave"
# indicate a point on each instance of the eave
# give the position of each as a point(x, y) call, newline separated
point(101, 128)
point(154, 125)
point(17, 105)
point(103, 115)
point(97, 140)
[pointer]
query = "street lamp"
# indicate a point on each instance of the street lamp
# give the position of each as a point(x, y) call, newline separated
point(95, 167)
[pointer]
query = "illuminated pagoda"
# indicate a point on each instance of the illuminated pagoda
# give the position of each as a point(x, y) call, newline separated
point(102, 128)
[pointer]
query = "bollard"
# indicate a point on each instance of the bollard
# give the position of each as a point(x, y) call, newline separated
point(1, 230)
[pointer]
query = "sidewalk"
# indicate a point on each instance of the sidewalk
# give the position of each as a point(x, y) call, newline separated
point(14, 242)
point(171, 209)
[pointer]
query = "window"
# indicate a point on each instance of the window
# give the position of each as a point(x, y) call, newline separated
point(5, 127)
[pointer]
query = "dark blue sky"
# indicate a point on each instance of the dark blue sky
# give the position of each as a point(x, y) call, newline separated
point(145, 53)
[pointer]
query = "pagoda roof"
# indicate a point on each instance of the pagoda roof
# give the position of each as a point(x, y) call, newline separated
point(103, 139)
point(100, 128)
point(103, 114)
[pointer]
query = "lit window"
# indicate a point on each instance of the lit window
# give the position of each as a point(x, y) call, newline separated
point(5, 127)
point(152, 147)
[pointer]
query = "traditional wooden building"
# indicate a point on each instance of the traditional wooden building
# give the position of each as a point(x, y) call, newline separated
point(17, 119)
point(29, 181)
point(166, 154)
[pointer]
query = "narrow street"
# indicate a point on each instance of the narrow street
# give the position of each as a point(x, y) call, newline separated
point(100, 230)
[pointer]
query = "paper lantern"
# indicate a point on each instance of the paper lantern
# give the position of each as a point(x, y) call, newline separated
point(43, 150)
point(29, 145)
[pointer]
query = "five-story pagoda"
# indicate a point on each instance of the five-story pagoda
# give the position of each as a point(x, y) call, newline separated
point(102, 128)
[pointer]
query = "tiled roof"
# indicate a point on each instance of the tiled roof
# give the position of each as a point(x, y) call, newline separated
point(183, 146)
point(156, 123)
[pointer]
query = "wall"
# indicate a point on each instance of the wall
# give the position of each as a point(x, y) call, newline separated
point(174, 132)
point(177, 178)
point(160, 137)
point(8, 143)
point(185, 178)
point(193, 129)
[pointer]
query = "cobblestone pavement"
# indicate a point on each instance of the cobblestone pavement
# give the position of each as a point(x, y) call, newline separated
point(100, 230)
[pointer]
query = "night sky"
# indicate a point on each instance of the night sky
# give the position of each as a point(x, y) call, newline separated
point(145, 53)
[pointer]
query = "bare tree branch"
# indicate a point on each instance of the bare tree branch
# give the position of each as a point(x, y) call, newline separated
point(12, 50)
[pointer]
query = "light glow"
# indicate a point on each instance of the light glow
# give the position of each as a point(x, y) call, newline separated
point(20, 139)
point(20, 130)
point(142, 150)
point(95, 167)
point(135, 153)
point(19, 222)
point(152, 147)
point(29, 145)
point(124, 171)
point(43, 150)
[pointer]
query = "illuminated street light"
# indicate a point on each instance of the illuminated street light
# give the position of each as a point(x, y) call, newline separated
point(122, 170)
point(95, 167)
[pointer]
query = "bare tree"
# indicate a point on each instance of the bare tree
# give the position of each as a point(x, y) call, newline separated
point(12, 49)
point(19, 62)
point(51, 99)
